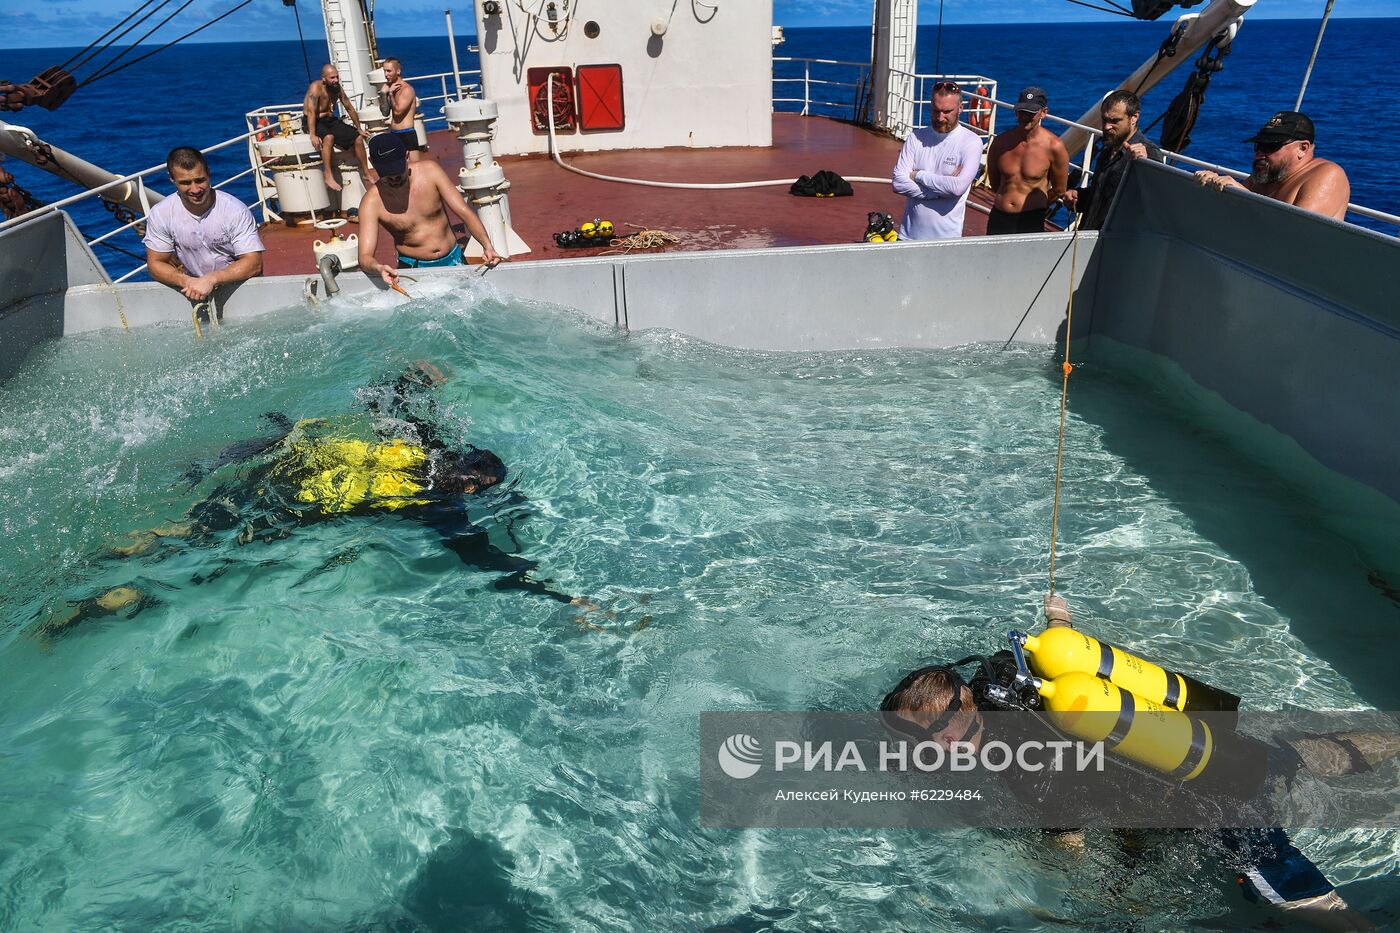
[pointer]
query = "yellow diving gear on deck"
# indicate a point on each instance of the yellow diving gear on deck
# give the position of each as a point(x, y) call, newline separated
point(1061, 650)
point(340, 475)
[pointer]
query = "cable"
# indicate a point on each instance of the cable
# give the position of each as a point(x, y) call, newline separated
point(938, 47)
point(1039, 290)
point(695, 186)
point(128, 29)
point(1120, 11)
point(126, 51)
point(170, 43)
point(128, 16)
point(304, 57)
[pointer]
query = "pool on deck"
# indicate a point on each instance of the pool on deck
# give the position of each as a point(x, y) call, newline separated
point(348, 727)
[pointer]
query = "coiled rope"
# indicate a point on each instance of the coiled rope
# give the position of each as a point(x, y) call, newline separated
point(645, 239)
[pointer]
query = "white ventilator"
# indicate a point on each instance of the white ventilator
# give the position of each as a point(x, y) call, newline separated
point(483, 182)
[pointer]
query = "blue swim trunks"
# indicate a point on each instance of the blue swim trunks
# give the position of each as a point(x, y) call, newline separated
point(409, 136)
point(454, 258)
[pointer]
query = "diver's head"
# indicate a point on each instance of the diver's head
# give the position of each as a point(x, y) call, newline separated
point(472, 471)
point(934, 704)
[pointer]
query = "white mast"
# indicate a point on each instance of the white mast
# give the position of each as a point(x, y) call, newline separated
point(1199, 28)
point(892, 64)
point(350, 38)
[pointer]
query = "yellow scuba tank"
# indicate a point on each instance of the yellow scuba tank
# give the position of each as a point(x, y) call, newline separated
point(1061, 650)
point(1165, 740)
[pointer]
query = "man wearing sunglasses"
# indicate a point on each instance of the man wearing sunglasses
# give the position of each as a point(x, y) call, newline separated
point(1287, 169)
point(1027, 167)
point(936, 169)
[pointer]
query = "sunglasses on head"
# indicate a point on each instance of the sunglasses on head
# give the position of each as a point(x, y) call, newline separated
point(946, 87)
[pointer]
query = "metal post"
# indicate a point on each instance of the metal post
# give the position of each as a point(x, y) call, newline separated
point(452, 44)
point(1316, 45)
point(806, 86)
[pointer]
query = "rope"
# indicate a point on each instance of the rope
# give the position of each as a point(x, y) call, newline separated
point(646, 239)
point(167, 45)
point(128, 16)
point(128, 29)
point(1064, 399)
point(126, 51)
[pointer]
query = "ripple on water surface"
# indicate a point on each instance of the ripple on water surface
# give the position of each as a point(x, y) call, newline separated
point(347, 726)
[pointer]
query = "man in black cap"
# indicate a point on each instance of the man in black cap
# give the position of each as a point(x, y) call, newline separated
point(412, 201)
point(1027, 167)
point(1287, 169)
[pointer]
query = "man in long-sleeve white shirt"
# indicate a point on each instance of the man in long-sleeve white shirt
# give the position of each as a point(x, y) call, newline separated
point(936, 170)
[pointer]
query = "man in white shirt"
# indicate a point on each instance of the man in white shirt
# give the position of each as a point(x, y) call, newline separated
point(936, 170)
point(211, 233)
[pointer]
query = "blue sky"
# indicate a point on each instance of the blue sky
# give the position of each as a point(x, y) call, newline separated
point(39, 23)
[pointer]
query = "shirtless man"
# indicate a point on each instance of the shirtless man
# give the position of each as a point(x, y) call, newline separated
point(326, 131)
point(1287, 169)
point(411, 202)
point(1027, 167)
point(400, 101)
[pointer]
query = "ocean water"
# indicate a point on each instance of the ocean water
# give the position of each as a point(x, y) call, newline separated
point(349, 728)
point(131, 120)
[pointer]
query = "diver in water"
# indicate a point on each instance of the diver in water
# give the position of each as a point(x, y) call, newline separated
point(936, 703)
point(395, 462)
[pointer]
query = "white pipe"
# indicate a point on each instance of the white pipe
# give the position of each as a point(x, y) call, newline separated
point(15, 140)
point(1202, 28)
point(1316, 45)
point(452, 44)
point(695, 186)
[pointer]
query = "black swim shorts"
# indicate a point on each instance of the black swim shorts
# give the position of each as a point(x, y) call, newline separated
point(343, 133)
point(1032, 221)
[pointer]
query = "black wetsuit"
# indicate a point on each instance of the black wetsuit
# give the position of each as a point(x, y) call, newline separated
point(1269, 867)
point(1109, 169)
point(271, 473)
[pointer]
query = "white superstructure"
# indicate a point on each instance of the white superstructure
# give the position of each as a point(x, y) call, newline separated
point(639, 74)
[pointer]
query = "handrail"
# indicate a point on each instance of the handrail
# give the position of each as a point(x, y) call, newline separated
point(55, 206)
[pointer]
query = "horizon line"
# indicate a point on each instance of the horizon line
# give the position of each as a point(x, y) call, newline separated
point(473, 36)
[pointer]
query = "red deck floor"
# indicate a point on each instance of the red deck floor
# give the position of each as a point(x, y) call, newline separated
point(545, 198)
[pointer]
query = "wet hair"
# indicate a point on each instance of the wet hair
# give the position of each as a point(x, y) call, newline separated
point(928, 690)
point(186, 158)
point(476, 467)
point(1128, 99)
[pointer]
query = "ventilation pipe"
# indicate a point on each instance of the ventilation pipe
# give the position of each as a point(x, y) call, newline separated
point(483, 181)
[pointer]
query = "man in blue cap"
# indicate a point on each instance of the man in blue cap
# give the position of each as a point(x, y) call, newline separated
point(411, 202)
point(1287, 169)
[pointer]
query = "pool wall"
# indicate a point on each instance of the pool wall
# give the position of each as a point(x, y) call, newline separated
point(1291, 318)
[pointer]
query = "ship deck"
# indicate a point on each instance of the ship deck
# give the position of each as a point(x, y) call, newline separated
point(545, 198)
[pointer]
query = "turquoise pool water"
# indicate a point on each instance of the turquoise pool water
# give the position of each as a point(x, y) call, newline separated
point(347, 728)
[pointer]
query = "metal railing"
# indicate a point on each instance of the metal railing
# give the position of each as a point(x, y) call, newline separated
point(273, 116)
point(976, 105)
point(825, 81)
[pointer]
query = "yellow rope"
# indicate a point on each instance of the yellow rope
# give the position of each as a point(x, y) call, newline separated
point(1064, 398)
point(194, 315)
point(646, 239)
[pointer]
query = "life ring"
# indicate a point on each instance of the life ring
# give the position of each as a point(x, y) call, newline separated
point(982, 110)
point(263, 134)
point(562, 106)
